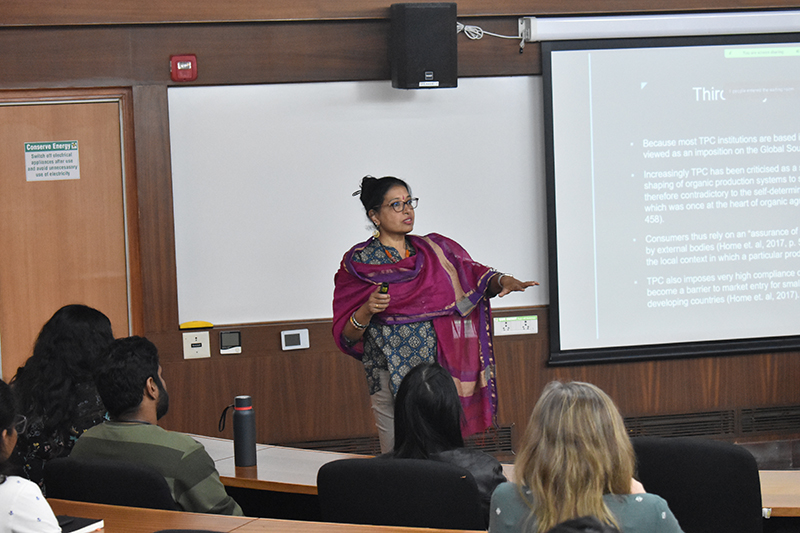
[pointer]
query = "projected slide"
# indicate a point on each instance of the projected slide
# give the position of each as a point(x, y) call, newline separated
point(674, 183)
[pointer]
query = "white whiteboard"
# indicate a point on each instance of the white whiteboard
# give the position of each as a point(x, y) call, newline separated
point(262, 179)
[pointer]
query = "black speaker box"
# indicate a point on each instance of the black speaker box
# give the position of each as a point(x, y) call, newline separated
point(424, 53)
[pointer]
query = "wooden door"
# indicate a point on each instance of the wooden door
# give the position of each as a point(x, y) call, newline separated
point(62, 241)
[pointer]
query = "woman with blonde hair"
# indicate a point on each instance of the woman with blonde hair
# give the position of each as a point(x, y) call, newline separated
point(576, 460)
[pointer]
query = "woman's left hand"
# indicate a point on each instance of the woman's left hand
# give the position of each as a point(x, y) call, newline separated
point(508, 284)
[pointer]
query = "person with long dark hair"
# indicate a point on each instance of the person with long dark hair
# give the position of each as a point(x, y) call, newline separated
point(55, 387)
point(23, 508)
point(427, 425)
point(402, 299)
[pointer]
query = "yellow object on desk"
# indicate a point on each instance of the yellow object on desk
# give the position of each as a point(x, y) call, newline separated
point(196, 324)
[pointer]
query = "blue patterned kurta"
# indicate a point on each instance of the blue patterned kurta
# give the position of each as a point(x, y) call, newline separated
point(396, 348)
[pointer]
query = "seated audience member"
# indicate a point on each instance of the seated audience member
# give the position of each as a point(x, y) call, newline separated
point(427, 425)
point(576, 460)
point(55, 388)
point(135, 395)
point(22, 506)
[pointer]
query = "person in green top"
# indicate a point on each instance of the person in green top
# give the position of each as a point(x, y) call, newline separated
point(576, 460)
point(133, 390)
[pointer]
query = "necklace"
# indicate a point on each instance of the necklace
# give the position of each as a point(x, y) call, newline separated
point(386, 251)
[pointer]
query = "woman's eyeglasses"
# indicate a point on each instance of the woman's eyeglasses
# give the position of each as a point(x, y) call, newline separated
point(20, 424)
point(399, 206)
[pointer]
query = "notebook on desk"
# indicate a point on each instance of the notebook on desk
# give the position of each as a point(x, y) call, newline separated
point(76, 524)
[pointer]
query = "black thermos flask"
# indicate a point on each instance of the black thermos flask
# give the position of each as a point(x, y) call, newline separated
point(244, 431)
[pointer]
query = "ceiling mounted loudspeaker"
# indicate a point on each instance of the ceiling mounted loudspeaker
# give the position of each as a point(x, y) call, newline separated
point(423, 49)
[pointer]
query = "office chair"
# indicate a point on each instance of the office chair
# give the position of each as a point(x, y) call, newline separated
point(399, 492)
point(710, 486)
point(107, 481)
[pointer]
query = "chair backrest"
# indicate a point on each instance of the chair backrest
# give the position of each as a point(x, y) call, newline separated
point(399, 492)
point(107, 481)
point(710, 486)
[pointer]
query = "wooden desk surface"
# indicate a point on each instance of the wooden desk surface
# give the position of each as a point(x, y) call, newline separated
point(279, 468)
point(294, 470)
point(780, 491)
point(135, 520)
point(218, 448)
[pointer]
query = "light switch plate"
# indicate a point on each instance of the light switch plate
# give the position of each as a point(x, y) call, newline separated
point(196, 345)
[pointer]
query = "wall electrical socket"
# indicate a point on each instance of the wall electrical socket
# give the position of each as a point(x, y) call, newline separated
point(516, 325)
point(196, 345)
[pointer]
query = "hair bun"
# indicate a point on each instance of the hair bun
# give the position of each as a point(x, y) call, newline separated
point(365, 182)
point(368, 181)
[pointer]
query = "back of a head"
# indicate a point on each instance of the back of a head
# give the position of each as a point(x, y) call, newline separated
point(121, 379)
point(67, 352)
point(575, 450)
point(77, 334)
point(427, 413)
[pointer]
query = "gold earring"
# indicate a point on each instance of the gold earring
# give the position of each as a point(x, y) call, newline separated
point(377, 232)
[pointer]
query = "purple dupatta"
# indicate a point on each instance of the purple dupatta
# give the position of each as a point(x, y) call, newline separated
point(439, 283)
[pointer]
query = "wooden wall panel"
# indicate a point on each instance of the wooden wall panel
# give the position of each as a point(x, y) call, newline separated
point(77, 12)
point(326, 393)
point(299, 395)
point(234, 53)
point(268, 53)
point(157, 240)
point(64, 57)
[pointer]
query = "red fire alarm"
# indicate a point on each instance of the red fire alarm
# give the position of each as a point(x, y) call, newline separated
point(183, 68)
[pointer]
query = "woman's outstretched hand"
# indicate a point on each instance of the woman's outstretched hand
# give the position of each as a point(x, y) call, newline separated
point(509, 284)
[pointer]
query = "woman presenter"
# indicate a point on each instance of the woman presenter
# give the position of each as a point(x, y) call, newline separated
point(402, 299)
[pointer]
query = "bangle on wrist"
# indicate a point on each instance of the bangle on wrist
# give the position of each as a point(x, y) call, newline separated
point(499, 279)
point(356, 324)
